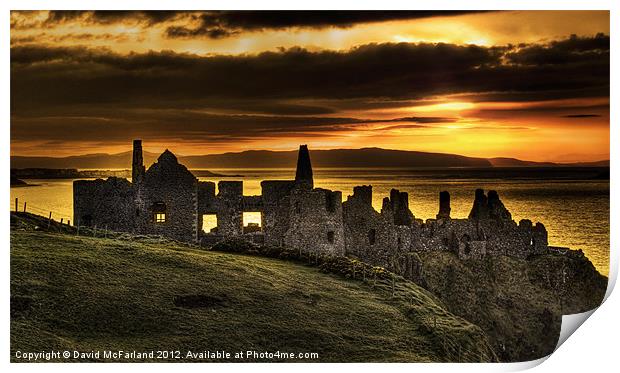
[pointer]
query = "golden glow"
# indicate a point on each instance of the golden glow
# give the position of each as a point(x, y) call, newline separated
point(538, 130)
point(447, 106)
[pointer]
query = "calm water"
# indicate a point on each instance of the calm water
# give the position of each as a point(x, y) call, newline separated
point(575, 212)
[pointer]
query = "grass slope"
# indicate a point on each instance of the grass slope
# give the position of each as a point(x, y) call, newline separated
point(82, 293)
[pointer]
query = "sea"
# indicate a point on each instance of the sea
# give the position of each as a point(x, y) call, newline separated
point(572, 203)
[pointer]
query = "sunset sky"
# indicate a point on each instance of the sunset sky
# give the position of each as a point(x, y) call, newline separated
point(527, 84)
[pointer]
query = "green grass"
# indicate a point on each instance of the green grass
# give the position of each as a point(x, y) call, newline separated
point(81, 293)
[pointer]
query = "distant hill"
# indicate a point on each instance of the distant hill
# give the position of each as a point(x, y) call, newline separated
point(98, 161)
point(513, 162)
point(74, 173)
point(365, 157)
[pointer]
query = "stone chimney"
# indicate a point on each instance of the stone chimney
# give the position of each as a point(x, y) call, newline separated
point(137, 166)
point(444, 205)
point(303, 176)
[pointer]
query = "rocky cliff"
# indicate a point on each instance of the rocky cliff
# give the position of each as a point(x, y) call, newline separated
point(517, 302)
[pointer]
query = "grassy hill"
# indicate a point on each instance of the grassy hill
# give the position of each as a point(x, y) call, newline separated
point(72, 292)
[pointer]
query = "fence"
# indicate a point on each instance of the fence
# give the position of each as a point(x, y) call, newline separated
point(58, 221)
point(51, 215)
point(55, 217)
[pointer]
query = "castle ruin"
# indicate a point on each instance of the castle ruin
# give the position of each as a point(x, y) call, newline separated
point(168, 200)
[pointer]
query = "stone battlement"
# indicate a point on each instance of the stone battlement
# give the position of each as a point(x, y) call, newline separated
point(167, 199)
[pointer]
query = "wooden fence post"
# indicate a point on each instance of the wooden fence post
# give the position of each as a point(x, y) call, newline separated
point(49, 220)
point(68, 221)
point(24, 206)
point(61, 219)
point(105, 234)
point(78, 229)
point(95, 230)
point(16, 204)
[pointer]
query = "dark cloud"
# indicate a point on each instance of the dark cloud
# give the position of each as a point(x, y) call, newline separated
point(218, 24)
point(528, 96)
point(581, 116)
point(547, 109)
point(251, 20)
point(572, 50)
point(110, 16)
point(404, 71)
point(384, 70)
point(425, 119)
point(61, 16)
point(211, 32)
point(78, 92)
point(121, 124)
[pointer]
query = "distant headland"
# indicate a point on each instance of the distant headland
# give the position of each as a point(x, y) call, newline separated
point(334, 158)
point(18, 174)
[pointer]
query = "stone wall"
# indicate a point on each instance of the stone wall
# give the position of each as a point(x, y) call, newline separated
point(103, 203)
point(389, 238)
point(206, 197)
point(315, 221)
point(230, 208)
point(276, 210)
point(379, 238)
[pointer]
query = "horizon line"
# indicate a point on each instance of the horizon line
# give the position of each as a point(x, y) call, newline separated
point(607, 159)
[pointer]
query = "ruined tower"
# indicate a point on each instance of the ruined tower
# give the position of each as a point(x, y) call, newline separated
point(480, 210)
point(137, 181)
point(444, 205)
point(397, 205)
point(137, 166)
point(489, 207)
point(497, 210)
point(303, 176)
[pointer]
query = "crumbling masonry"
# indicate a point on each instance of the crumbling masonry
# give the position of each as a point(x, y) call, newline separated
point(168, 200)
